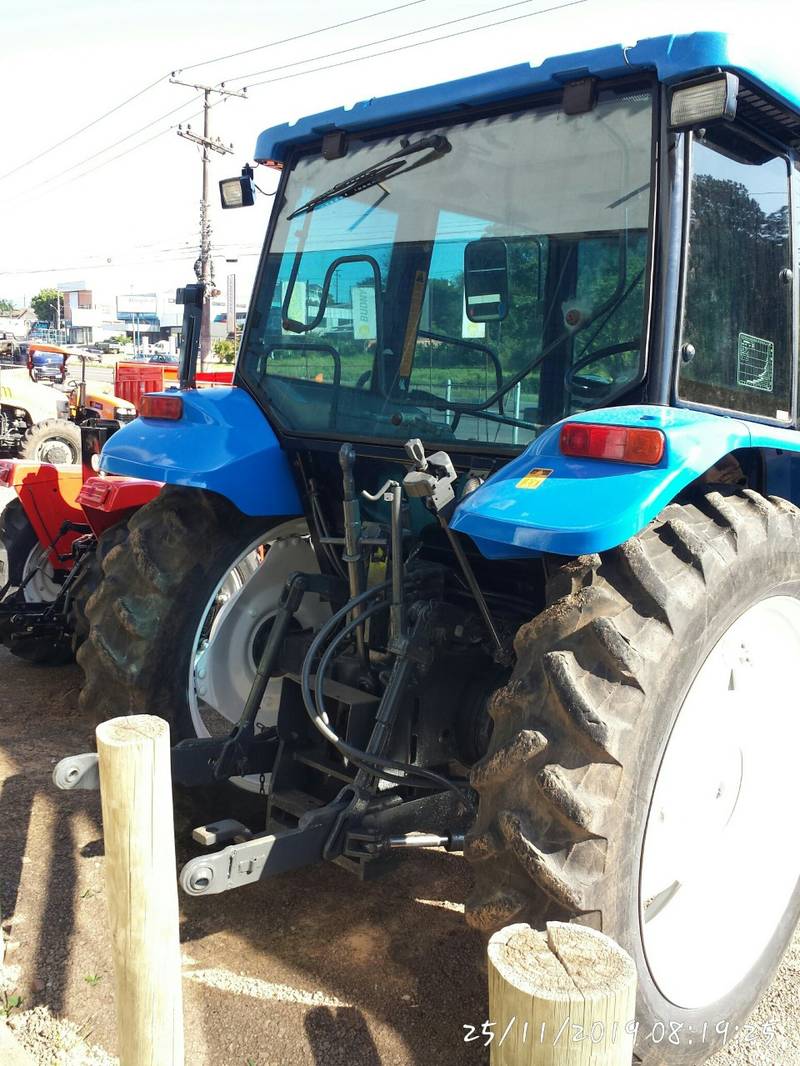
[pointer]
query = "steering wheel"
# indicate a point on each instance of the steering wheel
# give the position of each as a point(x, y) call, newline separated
point(585, 386)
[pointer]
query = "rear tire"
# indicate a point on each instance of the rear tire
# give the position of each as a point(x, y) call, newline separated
point(54, 441)
point(156, 586)
point(87, 580)
point(567, 815)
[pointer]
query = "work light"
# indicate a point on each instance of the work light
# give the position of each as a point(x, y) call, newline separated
point(238, 192)
point(704, 100)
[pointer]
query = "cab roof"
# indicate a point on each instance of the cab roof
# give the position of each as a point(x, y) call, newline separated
point(673, 58)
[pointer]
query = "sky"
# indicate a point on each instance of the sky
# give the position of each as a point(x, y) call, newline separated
point(116, 205)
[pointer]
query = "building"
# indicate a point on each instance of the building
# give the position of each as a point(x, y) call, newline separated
point(17, 323)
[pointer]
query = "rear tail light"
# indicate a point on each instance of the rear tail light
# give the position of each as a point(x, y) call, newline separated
point(94, 492)
point(6, 472)
point(153, 405)
point(624, 444)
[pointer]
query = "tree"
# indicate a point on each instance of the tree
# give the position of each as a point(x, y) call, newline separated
point(6, 307)
point(225, 350)
point(45, 303)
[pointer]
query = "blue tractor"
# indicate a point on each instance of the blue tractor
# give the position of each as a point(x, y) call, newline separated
point(493, 543)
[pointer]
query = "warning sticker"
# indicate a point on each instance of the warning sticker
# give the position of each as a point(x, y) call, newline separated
point(534, 478)
point(755, 362)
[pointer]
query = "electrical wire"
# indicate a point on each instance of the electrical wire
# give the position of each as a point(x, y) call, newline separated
point(301, 36)
point(415, 44)
point(83, 129)
point(381, 40)
point(192, 66)
point(110, 147)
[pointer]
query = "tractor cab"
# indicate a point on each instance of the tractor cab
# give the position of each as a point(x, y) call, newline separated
point(469, 284)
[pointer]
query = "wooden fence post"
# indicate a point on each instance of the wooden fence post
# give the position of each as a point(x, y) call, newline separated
point(564, 997)
point(141, 885)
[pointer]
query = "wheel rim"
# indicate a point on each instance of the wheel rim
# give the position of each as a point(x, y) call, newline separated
point(719, 863)
point(38, 577)
point(232, 626)
point(57, 450)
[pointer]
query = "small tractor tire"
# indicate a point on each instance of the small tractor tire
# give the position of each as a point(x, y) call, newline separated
point(53, 441)
point(582, 733)
point(18, 541)
point(155, 588)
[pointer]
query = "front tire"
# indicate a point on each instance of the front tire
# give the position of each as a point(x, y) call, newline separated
point(593, 806)
point(54, 441)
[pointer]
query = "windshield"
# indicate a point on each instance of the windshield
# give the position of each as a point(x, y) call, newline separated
point(475, 283)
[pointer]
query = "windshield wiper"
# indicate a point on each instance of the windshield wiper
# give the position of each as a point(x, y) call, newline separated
point(394, 164)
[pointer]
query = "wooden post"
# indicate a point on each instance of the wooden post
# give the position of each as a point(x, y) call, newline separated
point(564, 997)
point(136, 795)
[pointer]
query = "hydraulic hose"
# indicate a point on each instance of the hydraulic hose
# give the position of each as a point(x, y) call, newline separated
point(418, 777)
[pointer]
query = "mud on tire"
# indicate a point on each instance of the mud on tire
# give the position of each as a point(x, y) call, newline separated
point(156, 583)
point(581, 726)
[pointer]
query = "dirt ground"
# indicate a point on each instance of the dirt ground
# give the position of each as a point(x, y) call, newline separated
point(309, 969)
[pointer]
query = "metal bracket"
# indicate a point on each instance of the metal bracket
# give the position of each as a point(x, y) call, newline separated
point(263, 856)
point(77, 771)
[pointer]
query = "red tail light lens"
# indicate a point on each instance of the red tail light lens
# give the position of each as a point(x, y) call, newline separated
point(6, 472)
point(622, 444)
point(152, 405)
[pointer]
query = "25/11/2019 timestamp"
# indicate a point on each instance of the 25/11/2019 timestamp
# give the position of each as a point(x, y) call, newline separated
point(669, 1032)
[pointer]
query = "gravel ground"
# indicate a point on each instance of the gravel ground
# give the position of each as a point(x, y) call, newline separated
point(308, 969)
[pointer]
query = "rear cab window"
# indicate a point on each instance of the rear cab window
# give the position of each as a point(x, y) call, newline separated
point(736, 351)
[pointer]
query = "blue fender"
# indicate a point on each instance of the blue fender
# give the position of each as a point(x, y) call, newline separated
point(583, 506)
point(222, 443)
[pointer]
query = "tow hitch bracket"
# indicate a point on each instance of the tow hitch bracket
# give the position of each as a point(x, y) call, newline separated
point(263, 856)
point(77, 771)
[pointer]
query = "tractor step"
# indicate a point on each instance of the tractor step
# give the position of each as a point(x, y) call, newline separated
point(296, 803)
point(338, 690)
point(321, 764)
point(225, 831)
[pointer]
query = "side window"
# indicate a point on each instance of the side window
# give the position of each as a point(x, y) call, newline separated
point(738, 311)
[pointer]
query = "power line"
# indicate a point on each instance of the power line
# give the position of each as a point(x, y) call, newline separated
point(83, 129)
point(414, 44)
point(163, 77)
point(301, 36)
point(297, 74)
point(110, 147)
point(381, 40)
point(106, 162)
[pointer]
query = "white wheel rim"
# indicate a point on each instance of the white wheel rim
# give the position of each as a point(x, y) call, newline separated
point(720, 861)
point(38, 577)
point(56, 450)
point(222, 660)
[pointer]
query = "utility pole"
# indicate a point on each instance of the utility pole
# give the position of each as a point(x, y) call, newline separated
point(204, 268)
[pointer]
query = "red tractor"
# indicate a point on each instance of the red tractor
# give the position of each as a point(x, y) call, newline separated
point(50, 551)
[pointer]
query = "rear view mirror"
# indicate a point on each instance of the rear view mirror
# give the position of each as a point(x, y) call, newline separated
point(486, 280)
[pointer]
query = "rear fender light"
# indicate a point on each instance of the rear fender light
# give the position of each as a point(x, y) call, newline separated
point(622, 444)
point(94, 492)
point(154, 405)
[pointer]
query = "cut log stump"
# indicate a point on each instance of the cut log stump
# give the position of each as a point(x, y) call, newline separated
point(136, 796)
point(562, 997)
